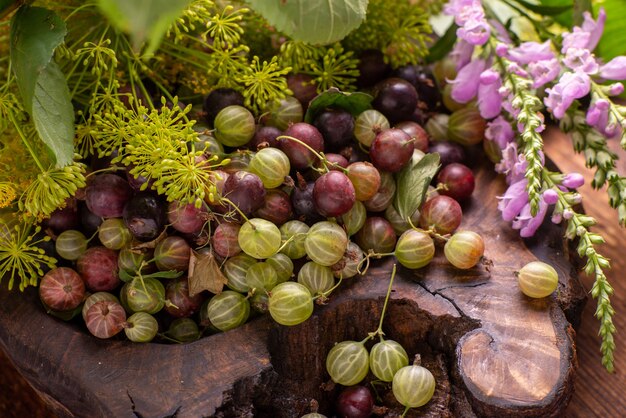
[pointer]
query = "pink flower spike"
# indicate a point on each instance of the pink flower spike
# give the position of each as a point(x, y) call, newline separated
point(465, 85)
point(594, 28)
point(614, 69)
point(573, 180)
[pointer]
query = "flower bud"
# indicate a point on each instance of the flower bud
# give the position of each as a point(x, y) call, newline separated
point(550, 196)
point(573, 180)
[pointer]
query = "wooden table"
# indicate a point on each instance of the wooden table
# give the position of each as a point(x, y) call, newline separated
point(597, 393)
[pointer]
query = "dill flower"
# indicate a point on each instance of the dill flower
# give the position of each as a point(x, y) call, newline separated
point(20, 255)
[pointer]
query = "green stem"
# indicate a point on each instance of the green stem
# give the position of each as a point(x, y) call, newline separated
point(26, 143)
point(379, 331)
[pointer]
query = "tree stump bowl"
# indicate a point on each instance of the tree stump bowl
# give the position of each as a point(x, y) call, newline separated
point(493, 351)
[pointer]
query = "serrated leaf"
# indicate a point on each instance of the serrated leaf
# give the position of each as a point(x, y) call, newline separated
point(444, 45)
point(35, 34)
point(205, 274)
point(314, 21)
point(355, 103)
point(144, 20)
point(412, 183)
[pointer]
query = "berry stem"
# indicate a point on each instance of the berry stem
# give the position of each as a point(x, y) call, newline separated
point(379, 330)
point(319, 155)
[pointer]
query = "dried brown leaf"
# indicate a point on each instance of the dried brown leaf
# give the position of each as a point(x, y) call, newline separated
point(205, 274)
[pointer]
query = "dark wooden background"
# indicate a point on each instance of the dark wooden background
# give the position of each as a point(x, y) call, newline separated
point(598, 394)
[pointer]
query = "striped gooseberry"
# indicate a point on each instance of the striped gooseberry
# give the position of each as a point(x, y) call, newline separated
point(114, 234)
point(386, 358)
point(318, 279)
point(225, 239)
point(384, 196)
point(261, 276)
point(347, 363)
point(172, 253)
point(234, 126)
point(325, 243)
point(105, 318)
point(282, 265)
point(62, 289)
point(290, 303)
point(441, 213)
point(183, 330)
point(348, 266)
point(284, 112)
point(413, 386)
point(227, 311)
point(271, 165)
point(464, 249)
point(398, 223)
point(365, 178)
point(368, 124)
point(235, 269)
point(70, 244)
point(144, 295)
point(97, 297)
point(377, 235)
point(537, 279)
point(414, 249)
point(259, 238)
point(295, 231)
point(141, 327)
point(354, 219)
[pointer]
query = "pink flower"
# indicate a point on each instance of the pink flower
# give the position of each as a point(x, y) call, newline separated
point(465, 85)
point(475, 31)
point(570, 87)
point(614, 69)
point(528, 224)
point(598, 114)
point(587, 36)
point(543, 72)
point(514, 200)
point(529, 52)
point(594, 28)
point(550, 196)
point(579, 59)
point(462, 53)
point(499, 131)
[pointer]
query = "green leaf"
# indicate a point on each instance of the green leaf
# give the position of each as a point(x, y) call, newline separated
point(144, 20)
point(412, 183)
point(313, 21)
point(547, 9)
point(613, 42)
point(355, 103)
point(444, 45)
point(35, 34)
point(167, 274)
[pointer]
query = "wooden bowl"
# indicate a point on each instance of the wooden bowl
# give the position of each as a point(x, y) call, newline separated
point(492, 350)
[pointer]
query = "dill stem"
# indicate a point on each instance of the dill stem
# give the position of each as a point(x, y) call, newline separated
point(26, 143)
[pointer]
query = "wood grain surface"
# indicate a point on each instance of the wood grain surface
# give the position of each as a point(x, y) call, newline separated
point(597, 393)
